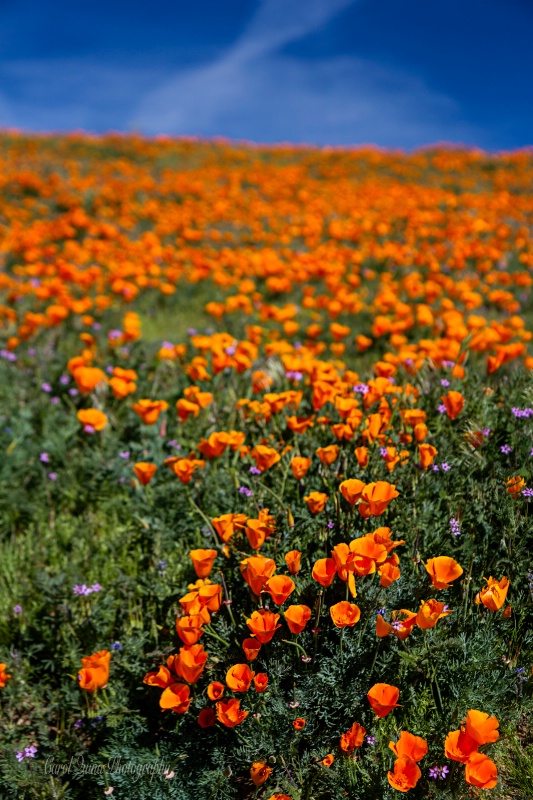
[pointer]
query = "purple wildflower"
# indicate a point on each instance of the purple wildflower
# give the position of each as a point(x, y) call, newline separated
point(527, 492)
point(245, 491)
point(445, 382)
point(17, 609)
point(116, 646)
point(44, 458)
point(52, 476)
point(506, 449)
point(124, 454)
point(441, 408)
point(46, 387)
point(255, 471)
point(445, 466)
point(455, 526)
point(370, 740)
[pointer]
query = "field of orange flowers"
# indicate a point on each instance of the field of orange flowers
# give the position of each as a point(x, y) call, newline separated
point(266, 419)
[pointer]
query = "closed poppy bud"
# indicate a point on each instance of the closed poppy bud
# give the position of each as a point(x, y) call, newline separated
point(176, 698)
point(405, 775)
point(376, 497)
point(189, 628)
point(388, 573)
point(279, 587)
point(215, 690)
point(251, 649)
point(230, 714)
point(206, 718)
point(409, 745)
point(345, 614)
point(298, 724)
point(328, 760)
point(316, 502)
point(507, 612)
point(256, 570)
point(239, 678)
point(297, 618)
point(430, 612)
point(328, 455)
point(324, 571)
point(427, 454)
point(256, 533)
point(144, 472)
point(352, 490)
point(454, 402)
point(481, 771)
point(292, 559)
point(260, 682)
point(260, 772)
point(352, 738)
point(420, 431)
point(300, 466)
point(361, 454)
point(263, 625)
point(383, 698)
point(481, 727)
point(459, 746)
point(494, 593)
point(443, 570)
point(202, 561)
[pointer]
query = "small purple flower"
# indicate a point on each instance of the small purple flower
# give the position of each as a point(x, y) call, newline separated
point(445, 466)
point(455, 527)
point(506, 449)
point(444, 771)
point(44, 458)
point(109, 370)
point(231, 350)
point(383, 452)
point(391, 379)
point(114, 334)
point(17, 609)
point(527, 492)
point(448, 364)
point(191, 331)
point(73, 392)
point(361, 388)
point(255, 471)
point(95, 588)
point(435, 467)
point(78, 723)
point(445, 382)
point(294, 375)
point(54, 400)
point(122, 480)
point(116, 646)
point(441, 408)
point(32, 351)
point(64, 380)
point(124, 454)
point(162, 565)
point(97, 326)
point(396, 625)
point(31, 751)
point(245, 491)
point(52, 476)
point(409, 362)
point(46, 387)
point(89, 429)
point(331, 525)
point(485, 431)
point(19, 756)
point(382, 611)
point(434, 773)
point(370, 740)
point(531, 452)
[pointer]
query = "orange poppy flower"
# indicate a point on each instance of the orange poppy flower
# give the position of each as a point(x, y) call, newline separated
point(4, 676)
point(388, 573)
point(298, 724)
point(429, 614)
point(494, 593)
point(300, 467)
point(353, 738)
point(316, 502)
point(443, 570)
point(189, 628)
point(481, 771)
point(239, 678)
point(144, 471)
point(328, 455)
point(215, 690)
point(427, 454)
point(292, 559)
point(230, 713)
point(202, 561)
point(256, 533)
point(88, 378)
point(345, 614)
point(324, 571)
point(227, 524)
point(409, 745)
point(263, 625)
point(454, 402)
point(256, 570)
point(264, 457)
point(352, 490)
point(206, 718)
point(459, 746)
point(251, 648)
point(162, 678)
point(279, 588)
point(297, 618)
point(361, 454)
point(382, 697)
point(176, 698)
point(481, 727)
point(260, 682)
point(191, 662)
point(184, 468)
point(149, 410)
point(514, 485)
point(405, 774)
point(328, 760)
point(92, 419)
point(95, 671)
point(260, 772)
point(376, 497)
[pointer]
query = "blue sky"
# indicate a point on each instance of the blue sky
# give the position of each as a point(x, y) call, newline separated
point(343, 72)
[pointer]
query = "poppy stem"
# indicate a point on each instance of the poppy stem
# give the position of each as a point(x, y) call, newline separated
point(210, 632)
point(295, 644)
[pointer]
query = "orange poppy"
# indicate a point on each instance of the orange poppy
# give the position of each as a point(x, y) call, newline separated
point(202, 561)
point(292, 559)
point(353, 738)
point(459, 746)
point(144, 471)
point(189, 628)
point(260, 682)
point(264, 457)
point(4, 676)
point(514, 485)
point(176, 698)
point(405, 774)
point(206, 718)
point(493, 595)
point(481, 727)
point(297, 618)
point(184, 468)
point(256, 570)
point(88, 378)
point(298, 724)
point(427, 454)
point(481, 771)
point(352, 490)
point(263, 625)
point(300, 467)
point(409, 745)
point(92, 419)
point(95, 671)
point(316, 502)
point(454, 402)
point(430, 612)
point(215, 690)
point(383, 698)
point(251, 648)
point(239, 678)
point(324, 571)
point(328, 760)
point(443, 570)
point(230, 713)
point(149, 410)
point(328, 455)
point(279, 587)
point(376, 497)
point(191, 662)
point(345, 614)
point(260, 772)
